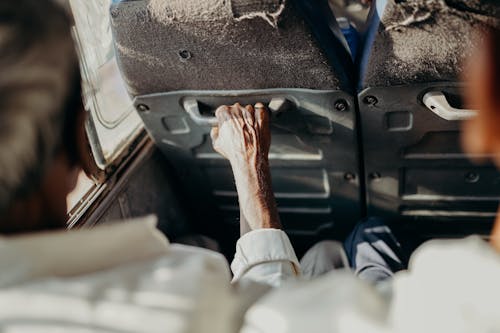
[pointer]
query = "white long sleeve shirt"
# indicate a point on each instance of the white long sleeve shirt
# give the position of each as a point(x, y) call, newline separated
point(128, 278)
point(450, 286)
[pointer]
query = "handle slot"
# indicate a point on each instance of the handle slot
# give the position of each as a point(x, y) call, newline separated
point(437, 103)
point(202, 114)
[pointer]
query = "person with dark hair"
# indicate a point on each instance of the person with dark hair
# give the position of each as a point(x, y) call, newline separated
point(128, 278)
point(120, 278)
point(41, 110)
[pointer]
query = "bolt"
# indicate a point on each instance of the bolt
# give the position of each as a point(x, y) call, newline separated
point(471, 177)
point(349, 176)
point(375, 175)
point(142, 108)
point(185, 55)
point(370, 100)
point(341, 105)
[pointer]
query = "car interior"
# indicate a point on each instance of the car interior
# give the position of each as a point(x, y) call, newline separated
point(371, 129)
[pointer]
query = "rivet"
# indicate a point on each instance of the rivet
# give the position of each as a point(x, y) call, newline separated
point(349, 176)
point(370, 100)
point(471, 177)
point(142, 108)
point(185, 55)
point(341, 105)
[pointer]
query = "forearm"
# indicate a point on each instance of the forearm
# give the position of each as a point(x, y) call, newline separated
point(256, 198)
point(263, 253)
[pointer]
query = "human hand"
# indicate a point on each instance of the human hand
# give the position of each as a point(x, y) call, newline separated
point(244, 138)
point(243, 135)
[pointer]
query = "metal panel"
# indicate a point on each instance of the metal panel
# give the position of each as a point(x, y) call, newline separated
point(414, 164)
point(313, 154)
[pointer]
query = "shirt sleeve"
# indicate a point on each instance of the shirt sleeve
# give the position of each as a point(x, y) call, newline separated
point(265, 256)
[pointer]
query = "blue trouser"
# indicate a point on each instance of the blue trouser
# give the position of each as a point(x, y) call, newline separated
point(373, 251)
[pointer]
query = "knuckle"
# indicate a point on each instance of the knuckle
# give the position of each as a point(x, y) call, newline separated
point(221, 111)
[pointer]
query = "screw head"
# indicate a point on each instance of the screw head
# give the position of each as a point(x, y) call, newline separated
point(349, 176)
point(341, 105)
point(185, 55)
point(142, 108)
point(370, 100)
point(471, 177)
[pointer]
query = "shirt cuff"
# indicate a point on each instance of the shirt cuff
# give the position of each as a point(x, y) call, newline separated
point(262, 246)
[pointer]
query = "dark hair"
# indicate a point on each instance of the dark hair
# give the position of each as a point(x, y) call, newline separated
point(36, 43)
point(72, 108)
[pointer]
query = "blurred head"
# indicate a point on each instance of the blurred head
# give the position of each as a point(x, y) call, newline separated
point(481, 135)
point(41, 115)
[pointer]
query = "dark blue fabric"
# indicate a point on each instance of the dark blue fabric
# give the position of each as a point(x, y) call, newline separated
point(376, 12)
point(374, 252)
point(352, 37)
point(325, 29)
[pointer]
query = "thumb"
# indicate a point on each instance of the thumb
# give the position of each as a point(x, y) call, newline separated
point(214, 134)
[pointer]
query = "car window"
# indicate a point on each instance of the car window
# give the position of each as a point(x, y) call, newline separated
point(113, 122)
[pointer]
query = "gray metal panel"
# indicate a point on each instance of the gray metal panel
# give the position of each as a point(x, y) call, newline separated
point(414, 164)
point(203, 54)
point(415, 168)
point(313, 154)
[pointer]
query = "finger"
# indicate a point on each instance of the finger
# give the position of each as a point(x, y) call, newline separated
point(261, 115)
point(260, 106)
point(236, 113)
point(249, 115)
point(222, 113)
point(214, 134)
point(236, 109)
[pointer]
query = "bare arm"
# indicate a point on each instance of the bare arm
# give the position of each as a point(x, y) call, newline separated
point(243, 137)
point(264, 253)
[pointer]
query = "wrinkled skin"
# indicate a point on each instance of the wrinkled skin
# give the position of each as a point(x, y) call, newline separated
point(243, 134)
point(243, 137)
